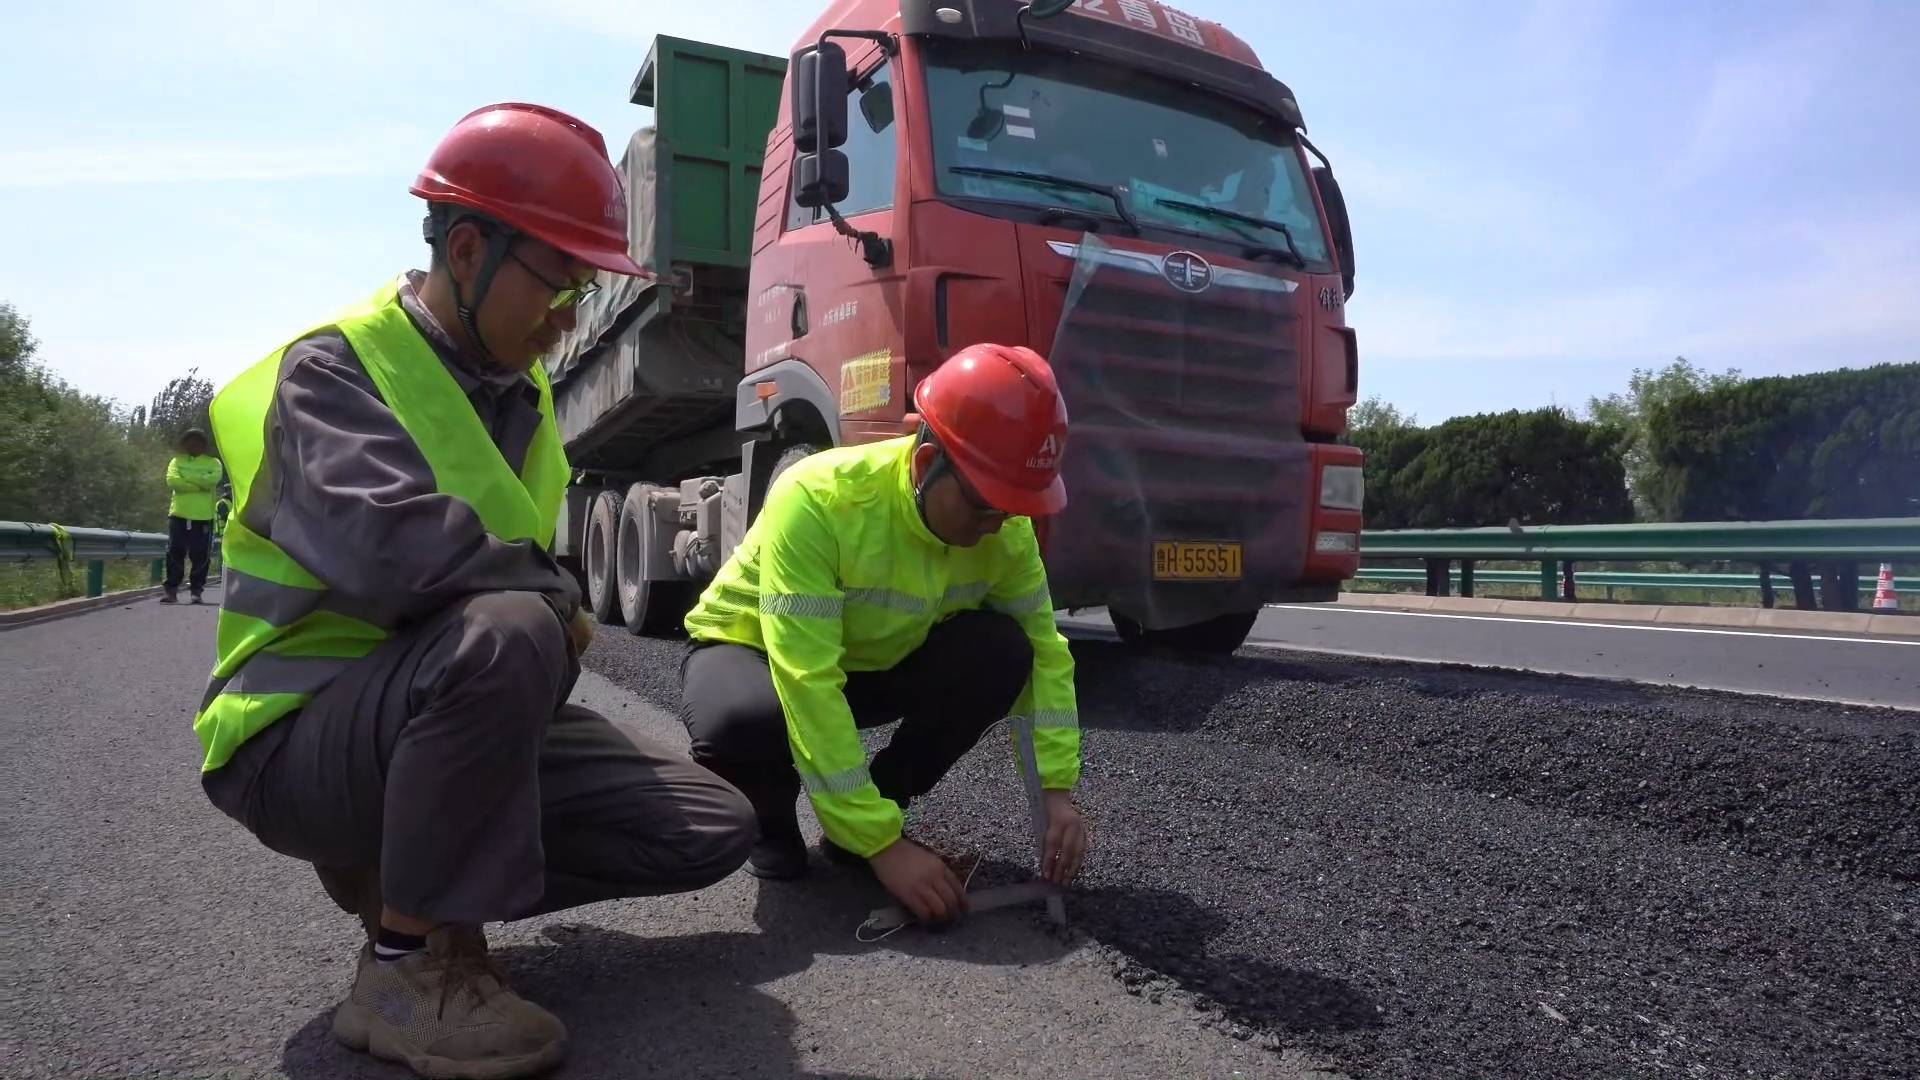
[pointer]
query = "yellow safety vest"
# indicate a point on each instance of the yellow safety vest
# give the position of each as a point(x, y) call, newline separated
point(839, 573)
point(280, 641)
point(192, 479)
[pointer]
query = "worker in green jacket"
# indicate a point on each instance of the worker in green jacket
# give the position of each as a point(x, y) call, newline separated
point(193, 476)
point(898, 580)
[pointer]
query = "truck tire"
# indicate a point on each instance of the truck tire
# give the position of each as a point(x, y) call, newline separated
point(1218, 636)
point(790, 457)
point(597, 558)
point(651, 608)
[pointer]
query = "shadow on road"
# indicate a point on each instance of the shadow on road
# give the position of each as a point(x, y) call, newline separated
point(637, 1006)
point(1173, 935)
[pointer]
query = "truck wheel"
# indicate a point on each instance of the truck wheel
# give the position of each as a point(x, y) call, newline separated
point(1218, 636)
point(602, 535)
point(790, 457)
point(652, 608)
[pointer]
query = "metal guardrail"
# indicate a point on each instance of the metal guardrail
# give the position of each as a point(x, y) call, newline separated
point(1770, 543)
point(1862, 540)
point(22, 541)
point(1610, 579)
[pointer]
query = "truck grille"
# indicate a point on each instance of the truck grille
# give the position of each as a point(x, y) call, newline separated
point(1142, 355)
point(1185, 411)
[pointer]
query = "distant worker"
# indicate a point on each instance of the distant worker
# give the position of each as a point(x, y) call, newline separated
point(397, 646)
point(194, 477)
point(899, 580)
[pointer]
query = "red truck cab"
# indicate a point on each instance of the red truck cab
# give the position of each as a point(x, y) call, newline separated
point(1122, 188)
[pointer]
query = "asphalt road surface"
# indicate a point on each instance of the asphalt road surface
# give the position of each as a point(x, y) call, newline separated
point(1301, 861)
point(1835, 667)
point(147, 936)
point(1427, 873)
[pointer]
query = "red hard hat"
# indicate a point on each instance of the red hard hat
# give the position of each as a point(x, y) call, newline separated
point(1001, 420)
point(540, 171)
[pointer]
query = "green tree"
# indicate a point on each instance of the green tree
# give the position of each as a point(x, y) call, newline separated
point(1835, 444)
point(1543, 467)
point(1540, 467)
point(1828, 445)
point(1648, 389)
point(1390, 439)
point(183, 404)
point(1376, 414)
point(68, 456)
point(17, 344)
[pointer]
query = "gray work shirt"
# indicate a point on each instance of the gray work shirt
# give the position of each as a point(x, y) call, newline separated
point(345, 492)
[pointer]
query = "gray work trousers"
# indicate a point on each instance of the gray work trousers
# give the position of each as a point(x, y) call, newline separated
point(449, 760)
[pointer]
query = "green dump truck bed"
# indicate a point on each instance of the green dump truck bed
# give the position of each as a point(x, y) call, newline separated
point(652, 364)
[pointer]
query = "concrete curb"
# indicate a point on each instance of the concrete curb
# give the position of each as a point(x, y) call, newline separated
point(33, 616)
point(1832, 622)
point(1895, 625)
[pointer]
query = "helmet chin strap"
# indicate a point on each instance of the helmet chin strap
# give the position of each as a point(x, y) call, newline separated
point(935, 471)
point(439, 225)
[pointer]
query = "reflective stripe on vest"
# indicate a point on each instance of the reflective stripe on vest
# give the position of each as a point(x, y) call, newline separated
point(282, 635)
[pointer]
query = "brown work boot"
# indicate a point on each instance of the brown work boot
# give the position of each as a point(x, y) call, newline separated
point(446, 1012)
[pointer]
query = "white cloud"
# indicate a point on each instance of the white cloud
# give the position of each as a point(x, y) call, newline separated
point(1613, 321)
point(1838, 282)
point(1758, 100)
point(1815, 293)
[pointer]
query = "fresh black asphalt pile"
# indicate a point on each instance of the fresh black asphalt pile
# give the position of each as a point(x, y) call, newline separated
point(1447, 873)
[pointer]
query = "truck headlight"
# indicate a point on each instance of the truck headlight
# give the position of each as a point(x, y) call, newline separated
point(1342, 487)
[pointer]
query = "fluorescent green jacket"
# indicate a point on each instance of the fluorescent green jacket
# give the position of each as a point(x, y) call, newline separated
point(281, 636)
point(839, 573)
point(193, 479)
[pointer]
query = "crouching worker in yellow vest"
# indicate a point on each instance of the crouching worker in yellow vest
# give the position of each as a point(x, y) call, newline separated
point(894, 581)
point(396, 647)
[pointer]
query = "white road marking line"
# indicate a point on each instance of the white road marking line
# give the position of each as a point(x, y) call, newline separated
point(1581, 623)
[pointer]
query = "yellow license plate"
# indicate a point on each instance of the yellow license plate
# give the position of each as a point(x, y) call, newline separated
point(1186, 560)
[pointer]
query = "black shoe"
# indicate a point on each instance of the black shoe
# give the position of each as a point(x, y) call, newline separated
point(169, 597)
point(780, 860)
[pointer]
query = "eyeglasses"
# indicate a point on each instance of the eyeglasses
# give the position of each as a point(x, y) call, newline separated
point(981, 507)
point(564, 296)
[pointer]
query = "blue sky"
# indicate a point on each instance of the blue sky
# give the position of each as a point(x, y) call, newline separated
point(1545, 195)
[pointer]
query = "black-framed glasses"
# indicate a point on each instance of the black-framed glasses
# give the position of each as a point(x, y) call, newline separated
point(981, 507)
point(564, 296)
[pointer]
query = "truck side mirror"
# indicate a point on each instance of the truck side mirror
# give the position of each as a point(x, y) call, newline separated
point(1336, 204)
point(820, 179)
point(819, 97)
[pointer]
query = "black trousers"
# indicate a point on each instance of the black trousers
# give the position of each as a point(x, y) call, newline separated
point(963, 678)
point(188, 540)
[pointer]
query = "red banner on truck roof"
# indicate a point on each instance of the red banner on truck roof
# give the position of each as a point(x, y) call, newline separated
point(1150, 15)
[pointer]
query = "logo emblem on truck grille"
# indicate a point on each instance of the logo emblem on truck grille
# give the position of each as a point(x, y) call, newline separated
point(1187, 272)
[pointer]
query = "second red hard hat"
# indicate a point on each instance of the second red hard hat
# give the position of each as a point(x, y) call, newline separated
point(999, 416)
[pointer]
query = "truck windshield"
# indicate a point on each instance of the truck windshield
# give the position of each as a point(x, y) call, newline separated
point(1181, 159)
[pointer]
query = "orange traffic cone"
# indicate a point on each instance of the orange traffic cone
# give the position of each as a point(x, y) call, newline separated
point(1884, 598)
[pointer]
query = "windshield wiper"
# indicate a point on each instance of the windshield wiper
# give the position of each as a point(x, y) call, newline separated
point(1293, 249)
point(1111, 191)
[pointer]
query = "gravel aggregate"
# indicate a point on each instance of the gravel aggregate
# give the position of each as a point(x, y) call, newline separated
point(1433, 872)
